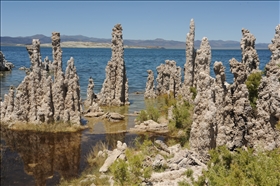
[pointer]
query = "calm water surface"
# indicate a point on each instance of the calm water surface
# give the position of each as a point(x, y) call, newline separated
point(30, 158)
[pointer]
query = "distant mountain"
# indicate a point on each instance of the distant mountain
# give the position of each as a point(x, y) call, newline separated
point(156, 43)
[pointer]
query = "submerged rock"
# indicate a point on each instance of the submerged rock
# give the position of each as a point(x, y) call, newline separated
point(90, 94)
point(115, 87)
point(150, 126)
point(4, 64)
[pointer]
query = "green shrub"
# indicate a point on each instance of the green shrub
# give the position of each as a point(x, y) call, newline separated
point(252, 83)
point(242, 168)
point(189, 173)
point(132, 171)
point(182, 114)
point(143, 116)
point(194, 92)
point(152, 113)
point(182, 183)
point(278, 125)
point(120, 171)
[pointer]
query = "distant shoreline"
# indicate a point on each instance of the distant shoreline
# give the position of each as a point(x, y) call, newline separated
point(74, 44)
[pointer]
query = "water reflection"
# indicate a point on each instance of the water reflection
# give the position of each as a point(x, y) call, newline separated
point(42, 154)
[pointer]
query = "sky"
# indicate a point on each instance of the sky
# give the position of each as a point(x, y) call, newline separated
point(216, 20)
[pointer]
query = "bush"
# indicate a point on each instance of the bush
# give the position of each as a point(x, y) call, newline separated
point(189, 173)
point(143, 116)
point(242, 168)
point(120, 171)
point(132, 171)
point(194, 92)
point(182, 114)
point(252, 83)
point(151, 113)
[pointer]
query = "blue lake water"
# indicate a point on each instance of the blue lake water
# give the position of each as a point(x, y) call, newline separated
point(92, 62)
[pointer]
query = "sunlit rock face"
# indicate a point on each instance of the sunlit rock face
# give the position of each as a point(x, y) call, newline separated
point(168, 78)
point(223, 114)
point(202, 60)
point(39, 98)
point(264, 132)
point(189, 67)
point(249, 54)
point(115, 87)
point(150, 87)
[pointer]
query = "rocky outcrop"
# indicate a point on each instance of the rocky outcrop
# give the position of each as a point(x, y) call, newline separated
point(113, 117)
point(150, 126)
point(168, 78)
point(90, 94)
point(150, 88)
point(4, 64)
point(242, 110)
point(202, 136)
point(39, 99)
point(223, 114)
point(223, 105)
point(272, 68)
point(264, 133)
point(190, 64)
point(119, 152)
point(178, 161)
point(173, 161)
point(249, 54)
point(115, 87)
point(190, 57)
point(47, 64)
point(202, 60)
point(72, 102)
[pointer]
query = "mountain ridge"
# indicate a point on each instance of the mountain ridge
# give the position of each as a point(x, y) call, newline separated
point(155, 43)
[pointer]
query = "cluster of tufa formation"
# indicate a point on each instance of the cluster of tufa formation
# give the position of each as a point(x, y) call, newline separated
point(4, 64)
point(223, 114)
point(169, 75)
point(39, 99)
point(115, 87)
point(168, 80)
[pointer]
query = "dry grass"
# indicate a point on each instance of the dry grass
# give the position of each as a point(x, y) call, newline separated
point(52, 127)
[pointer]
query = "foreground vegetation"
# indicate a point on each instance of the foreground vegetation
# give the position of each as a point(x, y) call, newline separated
point(181, 112)
point(243, 167)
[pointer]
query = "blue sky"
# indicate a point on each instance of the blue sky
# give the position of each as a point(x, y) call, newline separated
point(141, 20)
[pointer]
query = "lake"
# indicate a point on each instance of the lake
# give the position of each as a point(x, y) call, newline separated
point(30, 158)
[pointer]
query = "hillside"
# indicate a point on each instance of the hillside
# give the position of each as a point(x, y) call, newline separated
point(156, 43)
